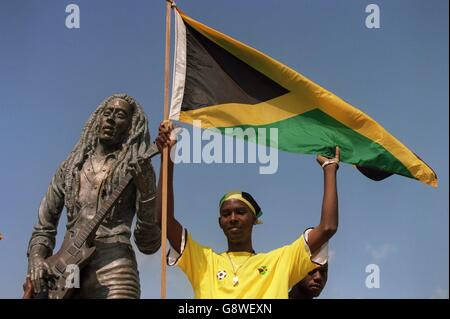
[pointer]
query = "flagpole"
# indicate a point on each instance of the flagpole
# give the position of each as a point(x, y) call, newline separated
point(165, 155)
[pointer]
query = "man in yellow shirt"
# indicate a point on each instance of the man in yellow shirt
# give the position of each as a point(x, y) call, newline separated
point(240, 272)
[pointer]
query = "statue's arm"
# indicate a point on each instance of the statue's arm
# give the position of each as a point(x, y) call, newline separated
point(42, 240)
point(147, 233)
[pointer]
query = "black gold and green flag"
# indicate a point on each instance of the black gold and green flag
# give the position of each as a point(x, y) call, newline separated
point(227, 84)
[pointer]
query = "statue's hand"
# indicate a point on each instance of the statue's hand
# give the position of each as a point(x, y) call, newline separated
point(143, 176)
point(39, 271)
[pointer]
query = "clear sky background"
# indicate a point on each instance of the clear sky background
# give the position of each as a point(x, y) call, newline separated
point(52, 78)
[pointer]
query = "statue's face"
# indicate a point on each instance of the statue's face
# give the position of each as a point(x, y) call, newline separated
point(115, 121)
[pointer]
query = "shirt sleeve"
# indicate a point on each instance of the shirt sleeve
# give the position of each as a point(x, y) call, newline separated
point(300, 260)
point(193, 259)
point(44, 232)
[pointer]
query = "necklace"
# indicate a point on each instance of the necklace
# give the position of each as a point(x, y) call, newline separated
point(235, 269)
point(102, 159)
point(96, 177)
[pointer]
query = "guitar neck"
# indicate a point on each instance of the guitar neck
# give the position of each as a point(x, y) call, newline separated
point(95, 222)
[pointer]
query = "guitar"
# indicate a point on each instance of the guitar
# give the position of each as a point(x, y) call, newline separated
point(76, 249)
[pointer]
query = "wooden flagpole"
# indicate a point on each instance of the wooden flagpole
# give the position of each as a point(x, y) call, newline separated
point(165, 154)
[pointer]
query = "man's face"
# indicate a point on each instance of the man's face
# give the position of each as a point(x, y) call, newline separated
point(315, 281)
point(114, 122)
point(236, 220)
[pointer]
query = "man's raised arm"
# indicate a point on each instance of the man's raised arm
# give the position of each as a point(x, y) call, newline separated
point(174, 228)
point(329, 217)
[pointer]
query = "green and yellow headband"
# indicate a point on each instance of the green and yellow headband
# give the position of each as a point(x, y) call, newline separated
point(247, 199)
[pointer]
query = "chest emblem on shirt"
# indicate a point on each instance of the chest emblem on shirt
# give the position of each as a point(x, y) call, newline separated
point(262, 270)
point(221, 274)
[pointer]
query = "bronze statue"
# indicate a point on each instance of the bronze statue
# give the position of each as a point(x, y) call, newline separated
point(115, 141)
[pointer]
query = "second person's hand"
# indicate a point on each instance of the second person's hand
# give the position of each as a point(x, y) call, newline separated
point(164, 136)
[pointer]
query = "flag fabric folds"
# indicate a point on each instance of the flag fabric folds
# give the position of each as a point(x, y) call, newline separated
point(227, 84)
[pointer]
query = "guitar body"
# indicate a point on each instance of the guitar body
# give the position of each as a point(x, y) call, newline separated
point(60, 285)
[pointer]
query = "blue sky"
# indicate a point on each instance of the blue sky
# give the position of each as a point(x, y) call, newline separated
point(52, 78)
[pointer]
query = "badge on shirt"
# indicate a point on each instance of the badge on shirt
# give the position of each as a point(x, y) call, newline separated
point(221, 274)
point(262, 270)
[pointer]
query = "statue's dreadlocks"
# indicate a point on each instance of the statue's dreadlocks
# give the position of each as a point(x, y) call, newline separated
point(136, 145)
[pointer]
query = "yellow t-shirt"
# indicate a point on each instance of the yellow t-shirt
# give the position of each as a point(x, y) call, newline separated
point(264, 275)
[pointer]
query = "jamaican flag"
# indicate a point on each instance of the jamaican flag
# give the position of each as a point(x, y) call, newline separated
point(226, 84)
